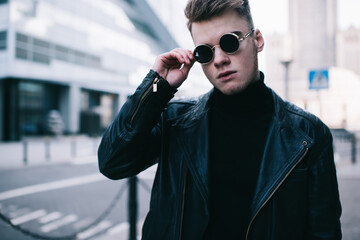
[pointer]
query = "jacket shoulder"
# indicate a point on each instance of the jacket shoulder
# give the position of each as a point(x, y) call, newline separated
point(307, 122)
point(188, 108)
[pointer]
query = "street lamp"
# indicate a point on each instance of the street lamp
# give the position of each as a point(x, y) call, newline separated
point(286, 64)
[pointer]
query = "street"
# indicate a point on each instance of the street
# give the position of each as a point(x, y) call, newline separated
point(63, 198)
point(350, 199)
point(68, 197)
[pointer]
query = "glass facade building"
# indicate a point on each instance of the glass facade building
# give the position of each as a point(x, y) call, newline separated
point(80, 58)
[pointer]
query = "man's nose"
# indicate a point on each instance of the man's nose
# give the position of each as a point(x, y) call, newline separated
point(220, 57)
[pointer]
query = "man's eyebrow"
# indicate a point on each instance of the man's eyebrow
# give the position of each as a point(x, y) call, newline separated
point(239, 33)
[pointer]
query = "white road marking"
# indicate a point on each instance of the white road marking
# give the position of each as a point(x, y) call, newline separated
point(94, 230)
point(50, 217)
point(19, 212)
point(28, 217)
point(82, 223)
point(118, 228)
point(83, 162)
point(59, 223)
point(70, 182)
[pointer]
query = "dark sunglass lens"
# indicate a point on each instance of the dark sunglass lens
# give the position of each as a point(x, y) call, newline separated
point(229, 43)
point(203, 54)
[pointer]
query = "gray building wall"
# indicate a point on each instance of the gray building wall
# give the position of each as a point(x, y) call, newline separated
point(78, 49)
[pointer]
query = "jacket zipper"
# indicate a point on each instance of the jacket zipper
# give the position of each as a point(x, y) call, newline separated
point(152, 86)
point(252, 220)
point(183, 204)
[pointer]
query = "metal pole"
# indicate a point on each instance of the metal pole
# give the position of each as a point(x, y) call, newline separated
point(353, 149)
point(73, 147)
point(95, 146)
point(47, 149)
point(132, 214)
point(25, 152)
point(286, 64)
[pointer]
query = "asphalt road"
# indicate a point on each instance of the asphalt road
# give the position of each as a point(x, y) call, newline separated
point(60, 199)
point(73, 195)
point(350, 200)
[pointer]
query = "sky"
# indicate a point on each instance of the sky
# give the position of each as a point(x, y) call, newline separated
point(278, 22)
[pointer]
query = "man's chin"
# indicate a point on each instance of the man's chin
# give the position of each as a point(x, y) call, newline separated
point(232, 90)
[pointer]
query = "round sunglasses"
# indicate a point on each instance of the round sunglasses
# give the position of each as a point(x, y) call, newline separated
point(229, 43)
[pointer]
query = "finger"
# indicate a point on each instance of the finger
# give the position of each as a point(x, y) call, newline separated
point(174, 58)
point(185, 54)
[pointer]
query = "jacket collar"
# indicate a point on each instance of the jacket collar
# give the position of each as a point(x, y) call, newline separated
point(285, 146)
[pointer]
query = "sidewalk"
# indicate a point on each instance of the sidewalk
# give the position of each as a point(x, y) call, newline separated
point(349, 171)
point(82, 149)
point(45, 150)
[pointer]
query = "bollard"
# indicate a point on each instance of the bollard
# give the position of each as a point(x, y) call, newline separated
point(73, 147)
point(25, 152)
point(95, 145)
point(47, 149)
point(132, 213)
point(353, 149)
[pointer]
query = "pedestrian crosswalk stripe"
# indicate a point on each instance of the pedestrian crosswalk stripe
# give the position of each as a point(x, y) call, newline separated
point(59, 223)
point(92, 231)
point(19, 212)
point(28, 217)
point(70, 182)
point(118, 228)
point(82, 223)
point(50, 217)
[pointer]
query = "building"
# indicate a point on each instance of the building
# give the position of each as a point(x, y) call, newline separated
point(348, 49)
point(81, 58)
point(315, 43)
point(310, 44)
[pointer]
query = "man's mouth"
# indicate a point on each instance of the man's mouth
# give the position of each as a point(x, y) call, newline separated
point(226, 75)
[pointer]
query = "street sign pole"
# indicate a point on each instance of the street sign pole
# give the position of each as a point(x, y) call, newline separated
point(318, 80)
point(286, 64)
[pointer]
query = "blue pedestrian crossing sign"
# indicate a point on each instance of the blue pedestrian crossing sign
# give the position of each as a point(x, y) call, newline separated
point(319, 79)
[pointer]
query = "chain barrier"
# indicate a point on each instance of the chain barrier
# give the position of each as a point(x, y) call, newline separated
point(75, 234)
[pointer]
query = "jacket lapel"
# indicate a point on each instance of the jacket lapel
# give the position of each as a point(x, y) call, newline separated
point(284, 148)
point(193, 135)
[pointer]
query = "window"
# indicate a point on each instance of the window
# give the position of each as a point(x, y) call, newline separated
point(61, 53)
point(143, 27)
point(3, 37)
point(130, 2)
point(22, 51)
point(41, 51)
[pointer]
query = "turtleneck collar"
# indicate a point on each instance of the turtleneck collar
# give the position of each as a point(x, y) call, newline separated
point(254, 99)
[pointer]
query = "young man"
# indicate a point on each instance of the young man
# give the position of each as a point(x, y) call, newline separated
point(237, 163)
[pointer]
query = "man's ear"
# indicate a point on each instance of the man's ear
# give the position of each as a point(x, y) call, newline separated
point(259, 40)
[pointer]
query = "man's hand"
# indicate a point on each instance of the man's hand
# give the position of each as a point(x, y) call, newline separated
point(174, 66)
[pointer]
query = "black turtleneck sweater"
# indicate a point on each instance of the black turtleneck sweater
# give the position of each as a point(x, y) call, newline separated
point(239, 126)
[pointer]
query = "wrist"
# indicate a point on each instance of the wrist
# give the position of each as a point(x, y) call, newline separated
point(161, 77)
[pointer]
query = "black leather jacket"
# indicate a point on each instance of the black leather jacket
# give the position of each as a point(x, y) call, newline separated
point(297, 192)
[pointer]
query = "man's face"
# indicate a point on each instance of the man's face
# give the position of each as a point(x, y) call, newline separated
point(230, 73)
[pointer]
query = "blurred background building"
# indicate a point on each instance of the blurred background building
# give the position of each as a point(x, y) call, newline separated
point(315, 43)
point(77, 57)
point(84, 58)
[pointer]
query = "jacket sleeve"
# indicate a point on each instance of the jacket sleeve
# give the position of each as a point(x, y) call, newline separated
point(324, 201)
point(132, 142)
